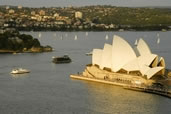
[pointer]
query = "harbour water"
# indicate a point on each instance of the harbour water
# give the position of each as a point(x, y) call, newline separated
point(48, 89)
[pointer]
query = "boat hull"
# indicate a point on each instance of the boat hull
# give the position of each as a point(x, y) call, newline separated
point(20, 71)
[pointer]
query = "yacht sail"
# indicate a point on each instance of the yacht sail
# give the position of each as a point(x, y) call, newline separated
point(158, 39)
point(107, 37)
point(75, 37)
point(136, 42)
point(40, 35)
point(86, 33)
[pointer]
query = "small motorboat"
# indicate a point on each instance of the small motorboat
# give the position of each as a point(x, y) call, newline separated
point(19, 71)
point(89, 54)
point(63, 59)
point(158, 38)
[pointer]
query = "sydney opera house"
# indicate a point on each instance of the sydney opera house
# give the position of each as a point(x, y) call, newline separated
point(121, 63)
point(132, 68)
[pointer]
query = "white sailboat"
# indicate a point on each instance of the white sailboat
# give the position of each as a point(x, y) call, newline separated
point(40, 35)
point(86, 33)
point(158, 39)
point(136, 42)
point(75, 37)
point(89, 54)
point(107, 37)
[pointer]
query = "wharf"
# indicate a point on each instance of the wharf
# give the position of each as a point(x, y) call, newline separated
point(157, 91)
point(81, 77)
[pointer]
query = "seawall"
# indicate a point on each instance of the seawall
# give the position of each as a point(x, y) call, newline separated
point(125, 86)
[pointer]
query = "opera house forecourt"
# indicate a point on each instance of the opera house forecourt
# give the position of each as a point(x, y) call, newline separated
point(132, 68)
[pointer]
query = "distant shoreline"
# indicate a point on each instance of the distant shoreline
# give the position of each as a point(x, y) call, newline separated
point(86, 18)
point(28, 51)
point(11, 41)
point(92, 30)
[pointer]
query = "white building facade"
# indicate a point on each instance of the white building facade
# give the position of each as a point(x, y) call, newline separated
point(78, 14)
point(120, 56)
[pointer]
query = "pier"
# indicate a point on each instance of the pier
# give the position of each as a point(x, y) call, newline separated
point(147, 89)
point(80, 77)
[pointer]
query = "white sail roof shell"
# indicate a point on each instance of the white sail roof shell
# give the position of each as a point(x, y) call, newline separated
point(143, 48)
point(96, 57)
point(155, 62)
point(122, 53)
point(162, 64)
point(146, 59)
point(141, 64)
point(132, 66)
point(144, 69)
point(152, 71)
point(106, 56)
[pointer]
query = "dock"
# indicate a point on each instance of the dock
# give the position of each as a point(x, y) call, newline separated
point(157, 91)
point(150, 90)
point(80, 77)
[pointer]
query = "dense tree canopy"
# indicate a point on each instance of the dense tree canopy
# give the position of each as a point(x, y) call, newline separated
point(13, 40)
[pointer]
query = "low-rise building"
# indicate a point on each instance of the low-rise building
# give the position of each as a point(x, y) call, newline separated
point(11, 11)
point(42, 12)
point(78, 14)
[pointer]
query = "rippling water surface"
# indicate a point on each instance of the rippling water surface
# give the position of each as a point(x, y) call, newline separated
point(49, 89)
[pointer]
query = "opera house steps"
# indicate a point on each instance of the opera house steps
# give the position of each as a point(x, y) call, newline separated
point(119, 64)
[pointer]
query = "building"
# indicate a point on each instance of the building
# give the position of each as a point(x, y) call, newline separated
point(42, 12)
point(78, 15)
point(135, 69)
point(11, 11)
point(7, 7)
point(56, 15)
point(33, 13)
point(20, 7)
point(120, 57)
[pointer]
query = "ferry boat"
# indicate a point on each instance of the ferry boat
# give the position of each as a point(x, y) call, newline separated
point(62, 59)
point(19, 71)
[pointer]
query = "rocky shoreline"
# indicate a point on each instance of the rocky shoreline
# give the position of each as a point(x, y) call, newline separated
point(11, 41)
point(33, 50)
